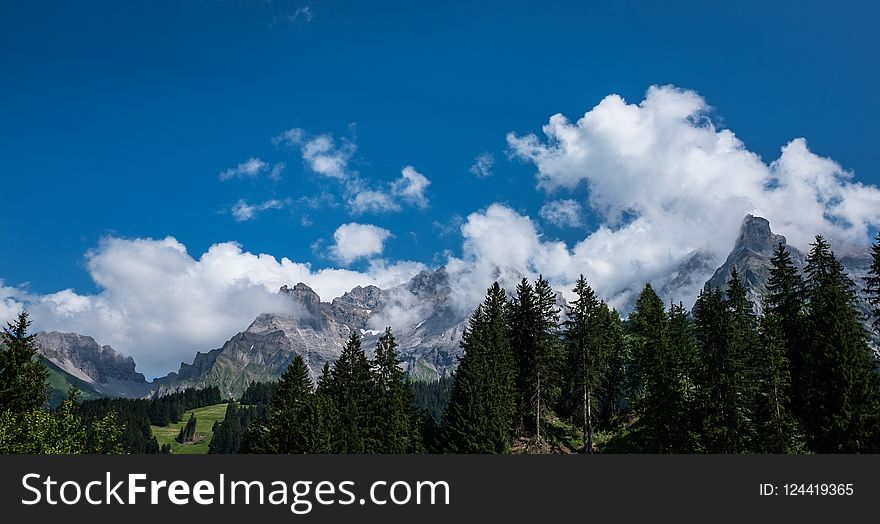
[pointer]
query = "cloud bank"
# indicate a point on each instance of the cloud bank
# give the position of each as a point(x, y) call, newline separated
point(159, 304)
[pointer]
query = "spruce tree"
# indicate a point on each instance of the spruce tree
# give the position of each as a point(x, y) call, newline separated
point(23, 376)
point(394, 400)
point(785, 302)
point(549, 352)
point(745, 353)
point(281, 431)
point(872, 289)
point(350, 387)
point(777, 429)
point(718, 376)
point(585, 356)
point(663, 350)
point(522, 319)
point(839, 382)
point(612, 393)
point(482, 405)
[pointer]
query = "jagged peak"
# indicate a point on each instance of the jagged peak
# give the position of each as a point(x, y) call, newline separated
point(755, 235)
point(301, 292)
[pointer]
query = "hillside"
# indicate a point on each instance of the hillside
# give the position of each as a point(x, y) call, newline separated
point(60, 382)
point(205, 418)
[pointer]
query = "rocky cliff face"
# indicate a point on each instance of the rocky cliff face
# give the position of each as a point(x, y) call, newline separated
point(106, 370)
point(428, 332)
point(752, 253)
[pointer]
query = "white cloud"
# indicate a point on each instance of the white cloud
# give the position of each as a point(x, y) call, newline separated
point(250, 168)
point(321, 153)
point(323, 156)
point(10, 305)
point(563, 213)
point(665, 181)
point(411, 187)
point(372, 201)
point(353, 241)
point(483, 164)
point(242, 211)
point(160, 305)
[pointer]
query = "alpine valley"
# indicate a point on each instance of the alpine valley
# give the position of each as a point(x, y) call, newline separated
point(429, 342)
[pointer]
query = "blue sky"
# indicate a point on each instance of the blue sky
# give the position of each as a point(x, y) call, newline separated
point(117, 117)
point(117, 120)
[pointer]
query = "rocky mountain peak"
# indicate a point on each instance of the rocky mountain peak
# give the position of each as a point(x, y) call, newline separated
point(364, 297)
point(429, 282)
point(302, 294)
point(755, 235)
point(109, 371)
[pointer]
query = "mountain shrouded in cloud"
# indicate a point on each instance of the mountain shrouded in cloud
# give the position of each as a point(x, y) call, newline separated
point(662, 179)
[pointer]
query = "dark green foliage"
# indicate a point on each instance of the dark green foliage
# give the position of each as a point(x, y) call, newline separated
point(188, 432)
point(664, 349)
point(873, 284)
point(585, 356)
point(23, 376)
point(258, 393)
point(776, 427)
point(482, 404)
point(524, 332)
point(432, 397)
point(722, 376)
point(281, 432)
point(351, 389)
point(612, 396)
point(228, 435)
point(839, 385)
point(396, 421)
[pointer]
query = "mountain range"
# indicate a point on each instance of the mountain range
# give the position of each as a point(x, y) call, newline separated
point(428, 324)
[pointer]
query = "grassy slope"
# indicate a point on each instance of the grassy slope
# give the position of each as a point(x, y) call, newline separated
point(60, 382)
point(205, 418)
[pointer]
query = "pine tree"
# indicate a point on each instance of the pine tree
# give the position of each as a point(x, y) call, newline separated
point(663, 350)
point(394, 400)
point(777, 428)
point(612, 393)
point(717, 376)
point(350, 387)
point(585, 355)
point(745, 353)
point(785, 302)
point(549, 351)
point(482, 403)
point(872, 289)
point(188, 432)
point(839, 383)
point(23, 376)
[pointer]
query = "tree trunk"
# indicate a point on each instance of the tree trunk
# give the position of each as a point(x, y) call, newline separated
point(538, 409)
point(589, 443)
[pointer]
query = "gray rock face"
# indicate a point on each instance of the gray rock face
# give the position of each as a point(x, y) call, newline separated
point(428, 347)
point(109, 371)
point(752, 253)
point(751, 257)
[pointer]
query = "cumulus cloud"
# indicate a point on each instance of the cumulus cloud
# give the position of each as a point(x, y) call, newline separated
point(321, 153)
point(563, 213)
point(483, 164)
point(242, 211)
point(666, 181)
point(411, 187)
point(353, 241)
point(159, 304)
